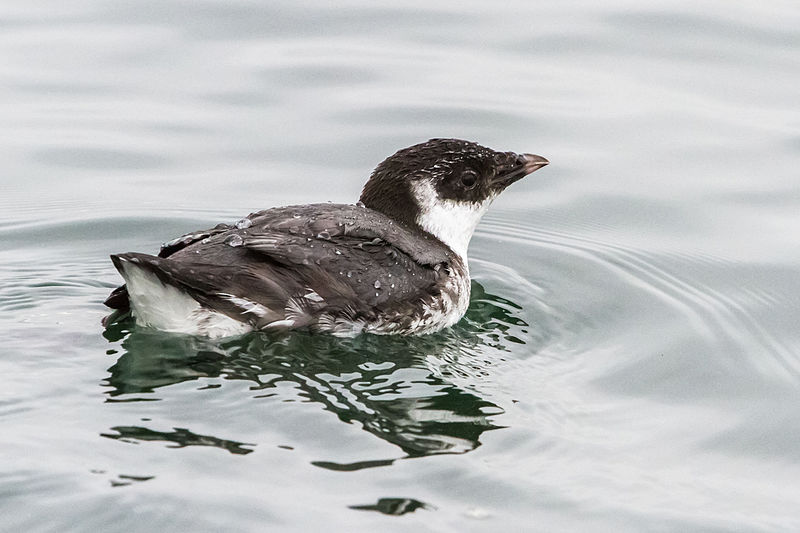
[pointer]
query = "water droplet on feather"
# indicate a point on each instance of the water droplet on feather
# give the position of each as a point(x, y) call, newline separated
point(234, 240)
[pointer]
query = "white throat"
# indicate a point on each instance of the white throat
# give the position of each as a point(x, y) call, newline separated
point(450, 221)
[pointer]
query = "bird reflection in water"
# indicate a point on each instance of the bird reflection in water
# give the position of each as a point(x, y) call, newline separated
point(401, 389)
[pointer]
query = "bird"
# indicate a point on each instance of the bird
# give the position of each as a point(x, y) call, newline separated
point(395, 262)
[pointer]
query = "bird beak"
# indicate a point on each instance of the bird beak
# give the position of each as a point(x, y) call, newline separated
point(532, 163)
point(517, 167)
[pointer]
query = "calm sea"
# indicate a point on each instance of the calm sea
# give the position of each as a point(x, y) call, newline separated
point(631, 357)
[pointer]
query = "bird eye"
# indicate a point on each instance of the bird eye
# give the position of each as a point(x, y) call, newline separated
point(469, 178)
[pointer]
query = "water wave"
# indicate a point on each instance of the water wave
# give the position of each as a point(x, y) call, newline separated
point(720, 301)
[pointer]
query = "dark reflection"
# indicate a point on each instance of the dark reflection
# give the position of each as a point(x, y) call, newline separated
point(124, 481)
point(393, 506)
point(400, 389)
point(181, 437)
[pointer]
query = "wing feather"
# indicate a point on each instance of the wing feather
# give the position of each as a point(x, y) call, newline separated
point(300, 265)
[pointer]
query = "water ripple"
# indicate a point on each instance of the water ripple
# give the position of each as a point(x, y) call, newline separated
point(723, 302)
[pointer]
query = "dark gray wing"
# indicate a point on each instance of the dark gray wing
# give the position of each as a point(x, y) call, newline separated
point(332, 221)
point(298, 263)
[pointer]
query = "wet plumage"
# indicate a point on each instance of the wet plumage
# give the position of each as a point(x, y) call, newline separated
point(395, 263)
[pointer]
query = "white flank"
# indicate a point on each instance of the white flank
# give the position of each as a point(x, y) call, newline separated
point(167, 308)
point(247, 306)
point(450, 221)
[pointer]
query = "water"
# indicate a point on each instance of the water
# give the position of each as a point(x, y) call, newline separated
point(630, 359)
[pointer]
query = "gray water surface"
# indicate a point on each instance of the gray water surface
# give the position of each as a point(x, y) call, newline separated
point(631, 357)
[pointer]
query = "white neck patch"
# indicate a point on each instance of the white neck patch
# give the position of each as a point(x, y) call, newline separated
point(450, 221)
